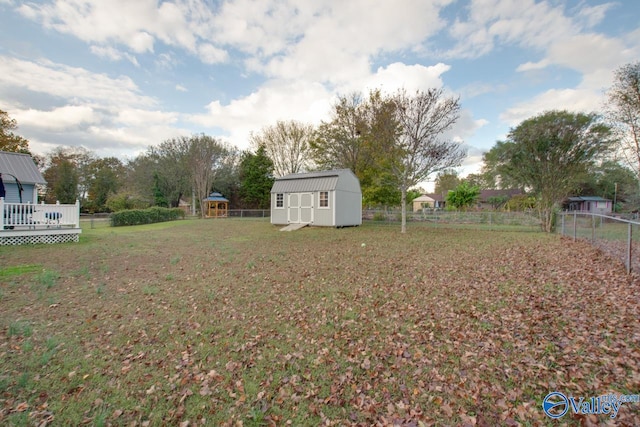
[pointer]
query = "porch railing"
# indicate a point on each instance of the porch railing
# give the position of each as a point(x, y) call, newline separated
point(35, 216)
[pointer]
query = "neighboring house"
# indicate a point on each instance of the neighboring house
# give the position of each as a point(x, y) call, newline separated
point(423, 202)
point(429, 201)
point(20, 166)
point(215, 206)
point(327, 198)
point(591, 204)
point(22, 219)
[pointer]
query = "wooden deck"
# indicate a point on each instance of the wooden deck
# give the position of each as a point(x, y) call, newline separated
point(27, 223)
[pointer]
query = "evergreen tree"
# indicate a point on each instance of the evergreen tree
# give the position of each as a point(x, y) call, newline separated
point(256, 178)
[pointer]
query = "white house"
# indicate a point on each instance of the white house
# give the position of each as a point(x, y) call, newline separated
point(327, 198)
point(22, 219)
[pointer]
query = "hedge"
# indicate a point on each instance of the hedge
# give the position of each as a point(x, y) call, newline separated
point(145, 216)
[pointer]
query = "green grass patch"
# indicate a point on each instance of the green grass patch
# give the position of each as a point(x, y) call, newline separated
point(19, 270)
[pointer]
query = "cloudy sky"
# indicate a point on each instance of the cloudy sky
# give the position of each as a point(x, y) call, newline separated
point(117, 76)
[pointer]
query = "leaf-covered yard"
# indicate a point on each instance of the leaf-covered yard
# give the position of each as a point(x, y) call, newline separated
point(231, 322)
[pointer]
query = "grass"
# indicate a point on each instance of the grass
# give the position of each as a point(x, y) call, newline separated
point(219, 322)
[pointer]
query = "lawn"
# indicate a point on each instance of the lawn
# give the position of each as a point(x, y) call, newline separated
point(231, 322)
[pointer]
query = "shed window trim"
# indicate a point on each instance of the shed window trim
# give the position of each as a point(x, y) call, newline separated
point(323, 202)
point(279, 200)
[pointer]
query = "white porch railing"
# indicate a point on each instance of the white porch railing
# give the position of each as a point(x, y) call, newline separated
point(38, 216)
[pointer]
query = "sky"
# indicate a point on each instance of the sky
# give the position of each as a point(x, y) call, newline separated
point(119, 76)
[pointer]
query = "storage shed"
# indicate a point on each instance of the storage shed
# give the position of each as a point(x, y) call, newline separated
point(327, 198)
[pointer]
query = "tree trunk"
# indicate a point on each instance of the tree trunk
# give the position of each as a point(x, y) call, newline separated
point(403, 202)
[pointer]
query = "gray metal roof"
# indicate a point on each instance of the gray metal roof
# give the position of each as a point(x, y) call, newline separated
point(20, 165)
point(309, 182)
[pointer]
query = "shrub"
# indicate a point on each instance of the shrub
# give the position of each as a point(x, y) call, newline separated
point(379, 216)
point(145, 216)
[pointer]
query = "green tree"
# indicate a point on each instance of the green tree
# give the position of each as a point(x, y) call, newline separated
point(419, 150)
point(256, 178)
point(66, 167)
point(105, 179)
point(446, 181)
point(159, 198)
point(287, 145)
point(613, 181)
point(478, 179)
point(358, 136)
point(170, 170)
point(463, 196)
point(9, 141)
point(65, 188)
point(623, 108)
point(494, 173)
point(550, 154)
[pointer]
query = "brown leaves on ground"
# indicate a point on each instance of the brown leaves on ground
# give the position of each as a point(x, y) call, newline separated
point(234, 323)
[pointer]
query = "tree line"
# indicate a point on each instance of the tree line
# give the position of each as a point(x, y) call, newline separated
point(392, 143)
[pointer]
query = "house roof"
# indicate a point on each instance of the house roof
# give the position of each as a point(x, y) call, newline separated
point(312, 181)
point(21, 166)
point(423, 198)
point(215, 197)
point(435, 197)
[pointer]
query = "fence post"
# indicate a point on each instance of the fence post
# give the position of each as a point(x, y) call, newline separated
point(593, 228)
point(629, 241)
point(575, 219)
point(563, 216)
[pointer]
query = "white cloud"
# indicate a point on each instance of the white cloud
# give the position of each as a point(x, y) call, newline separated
point(113, 54)
point(210, 54)
point(590, 16)
point(138, 117)
point(524, 23)
point(576, 100)
point(181, 88)
point(67, 82)
point(71, 117)
point(282, 100)
point(401, 76)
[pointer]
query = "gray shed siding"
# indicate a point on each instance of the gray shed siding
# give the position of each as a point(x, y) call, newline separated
point(345, 198)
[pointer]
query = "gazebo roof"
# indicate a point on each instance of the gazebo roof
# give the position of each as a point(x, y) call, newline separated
point(215, 197)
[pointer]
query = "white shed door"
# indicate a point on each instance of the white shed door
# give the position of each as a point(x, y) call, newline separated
point(306, 208)
point(300, 208)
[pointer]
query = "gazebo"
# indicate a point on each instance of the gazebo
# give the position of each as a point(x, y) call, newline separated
point(215, 206)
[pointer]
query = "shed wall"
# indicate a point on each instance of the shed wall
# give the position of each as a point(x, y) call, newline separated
point(348, 209)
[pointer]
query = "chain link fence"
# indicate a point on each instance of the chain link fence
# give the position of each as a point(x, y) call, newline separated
point(522, 221)
point(619, 237)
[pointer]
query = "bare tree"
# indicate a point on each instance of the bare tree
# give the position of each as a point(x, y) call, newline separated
point(623, 109)
point(287, 145)
point(205, 158)
point(419, 149)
